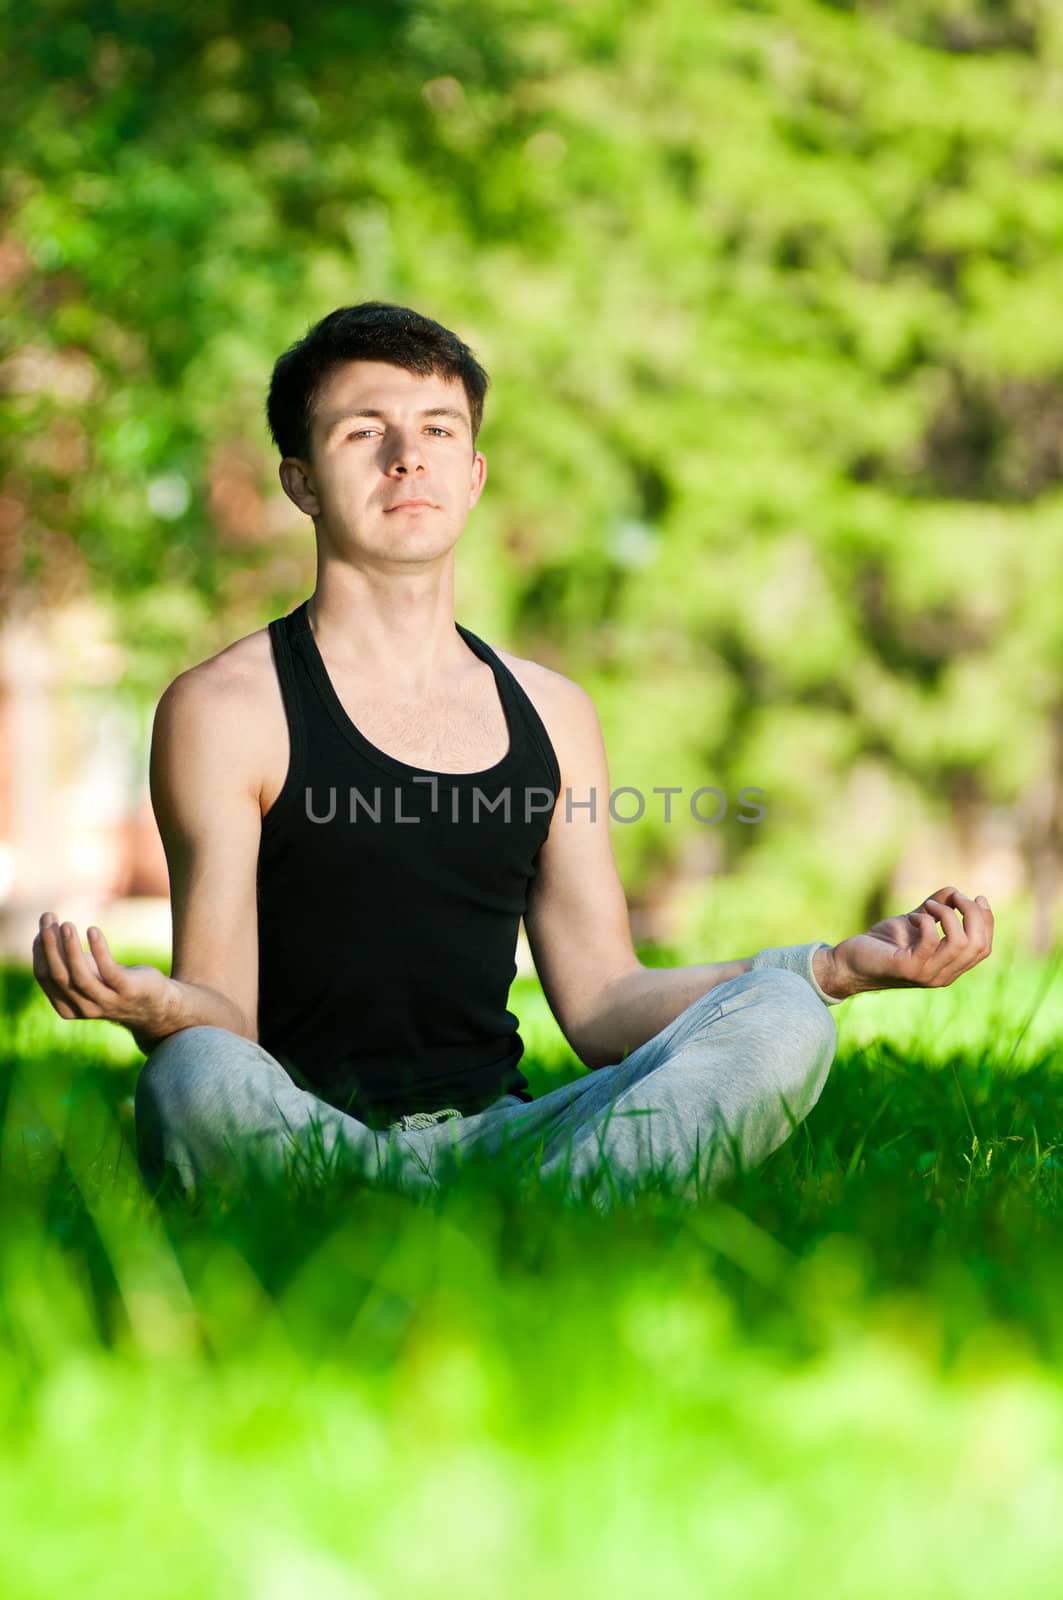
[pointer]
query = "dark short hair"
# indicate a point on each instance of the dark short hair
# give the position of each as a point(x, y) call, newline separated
point(372, 331)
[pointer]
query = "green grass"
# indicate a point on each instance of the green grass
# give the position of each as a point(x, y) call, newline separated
point(839, 1376)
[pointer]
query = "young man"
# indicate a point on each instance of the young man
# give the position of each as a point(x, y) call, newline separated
point(358, 804)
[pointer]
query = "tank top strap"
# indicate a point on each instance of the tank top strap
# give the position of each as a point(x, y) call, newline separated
point(516, 696)
point(281, 635)
point(296, 623)
point(288, 636)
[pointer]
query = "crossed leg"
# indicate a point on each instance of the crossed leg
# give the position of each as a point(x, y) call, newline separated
point(723, 1085)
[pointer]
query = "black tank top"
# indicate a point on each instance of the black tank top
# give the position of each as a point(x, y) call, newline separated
point(389, 902)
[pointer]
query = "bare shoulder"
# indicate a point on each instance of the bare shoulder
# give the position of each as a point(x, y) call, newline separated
point(235, 694)
point(240, 669)
point(546, 689)
point(237, 685)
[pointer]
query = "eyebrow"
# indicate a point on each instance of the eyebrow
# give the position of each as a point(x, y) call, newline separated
point(432, 411)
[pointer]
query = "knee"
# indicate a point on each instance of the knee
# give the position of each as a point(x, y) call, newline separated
point(791, 1002)
point(177, 1094)
point(789, 1028)
point(185, 1043)
point(787, 991)
point(155, 1112)
point(805, 1033)
point(177, 1074)
point(776, 997)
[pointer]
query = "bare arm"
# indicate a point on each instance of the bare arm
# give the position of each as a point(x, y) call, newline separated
point(605, 1001)
point(206, 804)
point(207, 809)
point(194, 1006)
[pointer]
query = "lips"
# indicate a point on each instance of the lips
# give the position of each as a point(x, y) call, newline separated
point(402, 505)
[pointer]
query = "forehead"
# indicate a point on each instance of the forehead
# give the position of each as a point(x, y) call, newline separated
point(384, 388)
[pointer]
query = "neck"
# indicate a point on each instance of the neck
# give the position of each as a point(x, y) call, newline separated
point(386, 630)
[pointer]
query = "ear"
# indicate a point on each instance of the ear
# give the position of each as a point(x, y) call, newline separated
point(298, 485)
point(479, 477)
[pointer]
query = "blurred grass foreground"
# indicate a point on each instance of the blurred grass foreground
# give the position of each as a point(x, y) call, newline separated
point(839, 1376)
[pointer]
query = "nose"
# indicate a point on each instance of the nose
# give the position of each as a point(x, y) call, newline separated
point(404, 451)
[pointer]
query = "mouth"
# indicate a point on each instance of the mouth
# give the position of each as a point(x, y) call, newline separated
point(413, 505)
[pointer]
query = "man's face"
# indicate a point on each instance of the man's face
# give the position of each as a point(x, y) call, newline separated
point(382, 436)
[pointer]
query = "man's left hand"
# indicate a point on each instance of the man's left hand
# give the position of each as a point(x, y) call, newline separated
point(908, 952)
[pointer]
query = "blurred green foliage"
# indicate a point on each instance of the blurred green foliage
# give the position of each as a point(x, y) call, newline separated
point(768, 292)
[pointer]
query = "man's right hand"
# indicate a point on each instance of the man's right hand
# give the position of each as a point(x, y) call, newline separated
point(91, 984)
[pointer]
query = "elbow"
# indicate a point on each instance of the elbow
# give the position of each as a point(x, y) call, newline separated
point(600, 1042)
point(593, 1060)
point(593, 1051)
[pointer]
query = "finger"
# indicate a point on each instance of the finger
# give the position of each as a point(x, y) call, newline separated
point(977, 922)
point(977, 927)
point(112, 974)
point(950, 957)
point(989, 925)
point(956, 953)
point(951, 926)
point(926, 922)
point(976, 911)
point(924, 955)
point(59, 990)
point(951, 896)
point(85, 980)
point(50, 920)
point(932, 954)
point(44, 978)
point(61, 1009)
point(54, 959)
point(82, 990)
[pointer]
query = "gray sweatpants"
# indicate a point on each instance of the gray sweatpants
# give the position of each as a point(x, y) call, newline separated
point(723, 1084)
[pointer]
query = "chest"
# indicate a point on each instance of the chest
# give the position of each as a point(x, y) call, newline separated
point(453, 732)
